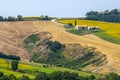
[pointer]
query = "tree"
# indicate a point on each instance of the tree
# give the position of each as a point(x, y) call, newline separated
point(12, 57)
point(14, 65)
point(109, 16)
point(11, 18)
point(55, 46)
point(1, 18)
point(5, 19)
point(19, 17)
point(46, 18)
point(75, 22)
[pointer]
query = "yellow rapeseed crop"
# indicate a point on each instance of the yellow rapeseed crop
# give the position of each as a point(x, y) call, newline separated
point(112, 29)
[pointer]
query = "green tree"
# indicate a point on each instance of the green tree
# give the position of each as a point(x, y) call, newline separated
point(109, 16)
point(14, 65)
point(1, 18)
point(55, 46)
point(19, 17)
point(46, 18)
point(5, 19)
point(11, 18)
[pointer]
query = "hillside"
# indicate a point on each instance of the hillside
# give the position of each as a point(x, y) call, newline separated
point(75, 56)
point(13, 34)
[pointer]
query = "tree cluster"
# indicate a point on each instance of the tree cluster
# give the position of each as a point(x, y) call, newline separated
point(12, 57)
point(45, 18)
point(10, 18)
point(55, 45)
point(108, 16)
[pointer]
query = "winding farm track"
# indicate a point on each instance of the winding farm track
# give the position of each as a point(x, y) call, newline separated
point(12, 35)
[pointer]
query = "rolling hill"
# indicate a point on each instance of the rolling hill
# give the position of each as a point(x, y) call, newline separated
point(12, 35)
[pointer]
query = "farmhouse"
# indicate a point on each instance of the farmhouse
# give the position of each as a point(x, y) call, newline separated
point(93, 28)
point(89, 28)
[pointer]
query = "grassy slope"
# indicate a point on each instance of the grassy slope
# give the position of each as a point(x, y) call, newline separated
point(111, 30)
point(31, 68)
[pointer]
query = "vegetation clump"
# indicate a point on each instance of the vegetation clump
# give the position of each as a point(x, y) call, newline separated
point(55, 45)
point(12, 57)
point(59, 75)
point(108, 16)
point(32, 39)
point(14, 65)
point(68, 26)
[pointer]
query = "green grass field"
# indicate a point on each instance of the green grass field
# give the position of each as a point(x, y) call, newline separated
point(109, 31)
point(30, 69)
